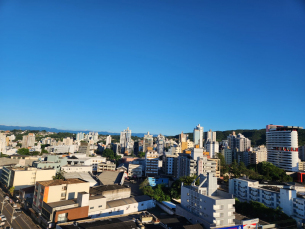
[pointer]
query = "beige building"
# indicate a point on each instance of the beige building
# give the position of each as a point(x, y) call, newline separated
point(301, 165)
point(23, 177)
point(134, 170)
point(108, 165)
point(57, 190)
point(28, 140)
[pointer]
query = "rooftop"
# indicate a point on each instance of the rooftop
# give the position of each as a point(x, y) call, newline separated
point(97, 190)
point(62, 203)
point(125, 201)
point(61, 182)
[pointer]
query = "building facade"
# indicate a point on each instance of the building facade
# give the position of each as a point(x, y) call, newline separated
point(282, 146)
point(198, 136)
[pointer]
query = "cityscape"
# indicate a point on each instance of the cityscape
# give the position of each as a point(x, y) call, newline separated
point(67, 180)
point(150, 114)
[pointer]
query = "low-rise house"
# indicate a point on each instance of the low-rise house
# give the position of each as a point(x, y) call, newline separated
point(76, 168)
point(108, 165)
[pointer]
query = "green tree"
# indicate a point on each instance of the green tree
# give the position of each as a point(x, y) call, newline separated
point(234, 169)
point(242, 168)
point(175, 190)
point(144, 184)
point(23, 151)
point(58, 176)
point(109, 154)
point(11, 190)
point(141, 154)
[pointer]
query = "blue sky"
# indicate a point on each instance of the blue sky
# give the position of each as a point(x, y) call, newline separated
point(159, 66)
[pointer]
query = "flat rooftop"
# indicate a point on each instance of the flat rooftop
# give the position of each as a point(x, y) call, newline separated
point(61, 182)
point(97, 190)
point(125, 201)
point(62, 203)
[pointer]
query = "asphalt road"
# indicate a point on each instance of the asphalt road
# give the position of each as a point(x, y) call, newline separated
point(21, 220)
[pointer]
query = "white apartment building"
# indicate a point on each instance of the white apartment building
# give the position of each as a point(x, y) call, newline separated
point(2, 143)
point(108, 140)
point(228, 155)
point(206, 205)
point(282, 146)
point(152, 163)
point(160, 144)
point(28, 140)
point(148, 142)
point(198, 136)
point(212, 147)
point(76, 168)
point(239, 142)
point(286, 198)
point(186, 165)
point(258, 154)
point(126, 141)
point(92, 161)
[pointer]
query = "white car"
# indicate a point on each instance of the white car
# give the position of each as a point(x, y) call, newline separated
point(3, 218)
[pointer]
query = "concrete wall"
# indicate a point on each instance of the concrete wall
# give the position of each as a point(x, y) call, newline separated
point(95, 205)
point(117, 194)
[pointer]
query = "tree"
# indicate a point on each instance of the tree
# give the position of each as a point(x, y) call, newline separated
point(23, 151)
point(58, 176)
point(109, 154)
point(144, 183)
point(242, 168)
point(234, 169)
point(175, 190)
point(141, 154)
point(11, 190)
point(44, 151)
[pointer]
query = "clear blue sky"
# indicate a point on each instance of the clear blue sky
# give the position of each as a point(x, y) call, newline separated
point(155, 65)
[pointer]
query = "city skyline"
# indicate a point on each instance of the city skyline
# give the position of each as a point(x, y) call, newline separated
point(94, 65)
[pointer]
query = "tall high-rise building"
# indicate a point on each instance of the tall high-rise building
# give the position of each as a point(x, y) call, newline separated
point(125, 140)
point(108, 140)
point(212, 147)
point(28, 140)
point(80, 136)
point(148, 142)
point(198, 136)
point(210, 135)
point(160, 144)
point(2, 143)
point(282, 146)
point(238, 142)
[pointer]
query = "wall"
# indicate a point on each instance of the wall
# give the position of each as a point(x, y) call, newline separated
point(117, 194)
point(155, 181)
point(74, 213)
point(95, 205)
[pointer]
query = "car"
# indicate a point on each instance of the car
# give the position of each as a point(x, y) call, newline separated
point(18, 210)
point(7, 198)
point(3, 218)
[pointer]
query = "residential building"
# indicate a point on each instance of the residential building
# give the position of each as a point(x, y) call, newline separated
point(84, 148)
point(238, 143)
point(28, 140)
point(210, 135)
point(148, 142)
point(126, 141)
point(67, 141)
point(287, 198)
point(282, 146)
point(212, 147)
point(26, 197)
point(108, 165)
point(151, 163)
point(92, 136)
point(198, 136)
point(80, 136)
point(301, 165)
point(2, 143)
point(134, 170)
point(92, 161)
point(207, 205)
point(186, 165)
point(170, 164)
point(57, 190)
point(51, 162)
point(160, 144)
point(258, 154)
point(228, 155)
point(183, 137)
point(242, 157)
point(108, 140)
point(23, 177)
point(76, 168)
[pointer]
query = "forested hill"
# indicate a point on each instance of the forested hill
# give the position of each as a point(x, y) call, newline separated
point(257, 137)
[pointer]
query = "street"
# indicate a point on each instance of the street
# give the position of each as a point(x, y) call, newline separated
point(21, 221)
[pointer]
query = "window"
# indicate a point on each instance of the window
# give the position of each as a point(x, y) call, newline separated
point(100, 206)
point(91, 207)
point(63, 195)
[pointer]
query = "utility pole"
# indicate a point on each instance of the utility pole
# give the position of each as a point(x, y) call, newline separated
point(12, 218)
point(2, 205)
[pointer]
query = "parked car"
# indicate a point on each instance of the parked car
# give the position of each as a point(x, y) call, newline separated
point(18, 210)
point(7, 198)
point(3, 218)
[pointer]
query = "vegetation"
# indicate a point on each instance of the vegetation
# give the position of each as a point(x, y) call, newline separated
point(263, 170)
point(141, 154)
point(11, 190)
point(110, 155)
point(162, 193)
point(255, 209)
point(58, 176)
point(3, 155)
